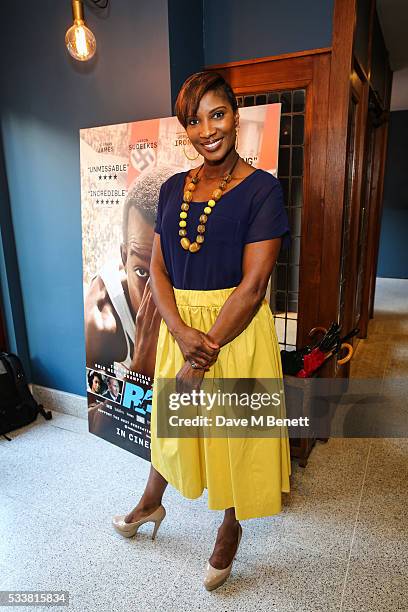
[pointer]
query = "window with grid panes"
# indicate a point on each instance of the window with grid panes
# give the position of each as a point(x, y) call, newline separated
point(285, 278)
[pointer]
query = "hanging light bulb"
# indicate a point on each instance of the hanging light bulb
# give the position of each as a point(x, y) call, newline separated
point(79, 39)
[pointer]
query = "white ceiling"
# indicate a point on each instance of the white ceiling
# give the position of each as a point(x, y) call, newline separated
point(393, 16)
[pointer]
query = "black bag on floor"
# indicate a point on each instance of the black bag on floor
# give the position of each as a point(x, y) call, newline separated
point(17, 405)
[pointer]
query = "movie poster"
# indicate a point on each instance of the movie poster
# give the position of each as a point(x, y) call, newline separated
point(122, 169)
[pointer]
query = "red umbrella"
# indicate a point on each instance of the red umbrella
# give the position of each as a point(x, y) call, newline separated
point(328, 346)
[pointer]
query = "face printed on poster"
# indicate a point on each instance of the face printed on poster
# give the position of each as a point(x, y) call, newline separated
point(122, 169)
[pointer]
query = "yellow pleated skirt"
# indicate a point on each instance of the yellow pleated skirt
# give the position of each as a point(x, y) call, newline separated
point(249, 473)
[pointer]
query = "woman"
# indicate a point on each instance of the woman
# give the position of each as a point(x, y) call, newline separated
point(219, 229)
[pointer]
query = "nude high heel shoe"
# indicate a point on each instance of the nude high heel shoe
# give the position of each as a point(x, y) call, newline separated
point(214, 578)
point(128, 530)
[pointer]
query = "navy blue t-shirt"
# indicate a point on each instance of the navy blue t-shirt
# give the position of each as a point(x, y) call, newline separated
point(250, 212)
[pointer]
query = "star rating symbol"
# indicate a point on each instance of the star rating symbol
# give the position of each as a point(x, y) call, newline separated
point(107, 177)
point(97, 201)
point(117, 201)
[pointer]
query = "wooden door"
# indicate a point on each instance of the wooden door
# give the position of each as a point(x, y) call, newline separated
point(376, 205)
point(370, 217)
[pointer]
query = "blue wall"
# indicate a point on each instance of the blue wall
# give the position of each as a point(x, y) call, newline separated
point(10, 288)
point(236, 30)
point(185, 41)
point(393, 253)
point(45, 99)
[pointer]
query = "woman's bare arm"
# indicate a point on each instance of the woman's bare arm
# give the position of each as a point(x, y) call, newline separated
point(193, 343)
point(258, 261)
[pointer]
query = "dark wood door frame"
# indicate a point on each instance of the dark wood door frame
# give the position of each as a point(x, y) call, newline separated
point(368, 195)
point(377, 128)
point(359, 93)
point(381, 144)
point(344, 22)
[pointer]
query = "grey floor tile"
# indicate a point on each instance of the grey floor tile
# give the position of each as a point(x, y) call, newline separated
point(323, 504)
point(101, 571)
point(377, 576)
point(284, 578)
point(61, 461)
point(371, 358)
point(301, 580)
point(189, 592)
point(382, 528)
point(5, 571)
point(105, 479)
point(376, 586)
point(39, 438)
point(69, 422)
point(111, 485)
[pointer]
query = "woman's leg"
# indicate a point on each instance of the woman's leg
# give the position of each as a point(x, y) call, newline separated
point(151, 498)
point(227, 541)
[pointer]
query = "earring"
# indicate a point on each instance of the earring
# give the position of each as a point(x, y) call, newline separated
point(190, 158)
point(236, 138)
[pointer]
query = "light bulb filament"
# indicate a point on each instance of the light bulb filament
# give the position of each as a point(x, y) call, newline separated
point(80, 42)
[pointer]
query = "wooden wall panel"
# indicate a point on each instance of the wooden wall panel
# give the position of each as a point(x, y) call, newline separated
point(311, 292)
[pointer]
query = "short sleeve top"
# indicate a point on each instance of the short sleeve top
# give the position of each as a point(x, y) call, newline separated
point(250, 212)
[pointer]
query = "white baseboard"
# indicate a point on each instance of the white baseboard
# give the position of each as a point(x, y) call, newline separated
point(61, 401)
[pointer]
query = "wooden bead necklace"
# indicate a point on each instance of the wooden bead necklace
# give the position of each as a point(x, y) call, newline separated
point(195, 246)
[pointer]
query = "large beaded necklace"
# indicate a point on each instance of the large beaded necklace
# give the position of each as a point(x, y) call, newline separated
point(195, 246)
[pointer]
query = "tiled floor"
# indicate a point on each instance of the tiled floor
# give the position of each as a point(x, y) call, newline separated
point(340, 543)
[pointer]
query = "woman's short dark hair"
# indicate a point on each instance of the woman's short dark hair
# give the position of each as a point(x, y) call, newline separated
point(193, 90)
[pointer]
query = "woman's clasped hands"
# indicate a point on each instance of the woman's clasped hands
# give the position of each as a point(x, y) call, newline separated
point(198, 349)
